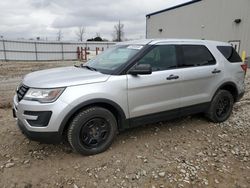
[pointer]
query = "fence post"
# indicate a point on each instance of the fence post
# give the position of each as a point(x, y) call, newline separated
point(36, 51)
point(81, 53)
point(4, 51)
point(78, 52)
point(96, 50)
point(85, 54)
point(62, 51)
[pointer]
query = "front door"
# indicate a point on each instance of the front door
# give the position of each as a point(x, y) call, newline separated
point(159, 91)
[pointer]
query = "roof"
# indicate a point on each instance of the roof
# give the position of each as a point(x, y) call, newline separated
point(170, 40)
point(174, 7)
point(136, 42)
point(191, 41)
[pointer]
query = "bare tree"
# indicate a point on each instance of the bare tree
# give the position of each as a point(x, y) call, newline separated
point(118, 32)
point(98, 35)
point(80, 32)
point(59, 35)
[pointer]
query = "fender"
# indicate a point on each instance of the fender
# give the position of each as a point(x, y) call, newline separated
point(235, 93)
point(122, 122)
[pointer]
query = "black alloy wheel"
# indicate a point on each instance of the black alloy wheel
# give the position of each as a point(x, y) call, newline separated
point(95, 132)
point(221, 106)
point(92, 130)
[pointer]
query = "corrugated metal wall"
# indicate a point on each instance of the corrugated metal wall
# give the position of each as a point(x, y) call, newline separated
point(45, 50)
point(206, 19)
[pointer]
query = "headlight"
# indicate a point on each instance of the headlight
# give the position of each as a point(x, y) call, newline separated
point(43, 95)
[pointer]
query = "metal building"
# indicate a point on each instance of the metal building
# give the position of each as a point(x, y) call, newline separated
point(222, 20)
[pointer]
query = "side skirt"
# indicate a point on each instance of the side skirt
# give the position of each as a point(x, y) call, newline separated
point(168, 115)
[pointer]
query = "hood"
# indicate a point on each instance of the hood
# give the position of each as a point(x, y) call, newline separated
point(62, 77)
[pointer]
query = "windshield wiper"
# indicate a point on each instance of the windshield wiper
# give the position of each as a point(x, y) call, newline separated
point(88, 67)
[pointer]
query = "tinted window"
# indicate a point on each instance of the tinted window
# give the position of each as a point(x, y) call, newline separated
point(229, 53)
point(196, 55)
point(161, 57)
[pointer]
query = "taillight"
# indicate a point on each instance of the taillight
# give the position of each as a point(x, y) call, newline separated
point(244, 67)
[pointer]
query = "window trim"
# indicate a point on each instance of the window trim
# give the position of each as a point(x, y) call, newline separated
point(147, 48)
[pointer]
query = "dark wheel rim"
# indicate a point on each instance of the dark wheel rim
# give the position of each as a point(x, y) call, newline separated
point(223, 107)
point(95, 132)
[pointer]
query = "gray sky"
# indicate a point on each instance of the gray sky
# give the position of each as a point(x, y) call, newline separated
point(43, 18)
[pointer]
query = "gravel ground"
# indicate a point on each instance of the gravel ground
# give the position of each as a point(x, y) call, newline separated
point(11, 74)
point(186, 152)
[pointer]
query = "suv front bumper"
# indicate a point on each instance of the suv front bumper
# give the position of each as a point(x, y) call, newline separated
point(40, 122)
point(44, 137)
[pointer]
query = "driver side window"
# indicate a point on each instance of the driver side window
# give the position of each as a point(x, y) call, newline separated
point(162, 57)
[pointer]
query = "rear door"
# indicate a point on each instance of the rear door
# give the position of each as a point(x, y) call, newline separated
point(159, 91)
point(200, 74)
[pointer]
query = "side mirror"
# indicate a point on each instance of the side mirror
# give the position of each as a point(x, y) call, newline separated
point(140, 69)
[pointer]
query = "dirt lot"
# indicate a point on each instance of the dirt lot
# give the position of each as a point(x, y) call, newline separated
point(11, 74)
point(187, 152)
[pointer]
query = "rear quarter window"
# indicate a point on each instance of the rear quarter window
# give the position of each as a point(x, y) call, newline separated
point(230, 54)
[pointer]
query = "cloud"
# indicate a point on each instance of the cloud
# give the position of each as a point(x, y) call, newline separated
point(40, 3)
point(43, 18)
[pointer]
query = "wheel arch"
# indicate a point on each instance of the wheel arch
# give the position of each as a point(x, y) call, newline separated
point(118, 112)
point(231, 87)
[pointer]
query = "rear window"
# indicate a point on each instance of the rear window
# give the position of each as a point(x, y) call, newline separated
point(197, 55)
point(229, 53)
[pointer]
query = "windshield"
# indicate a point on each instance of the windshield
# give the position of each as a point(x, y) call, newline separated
point(113, 58)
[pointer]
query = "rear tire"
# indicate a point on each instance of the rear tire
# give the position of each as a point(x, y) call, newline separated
point(221, 106)
point(92, 131)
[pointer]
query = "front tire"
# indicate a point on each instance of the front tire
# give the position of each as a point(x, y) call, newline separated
point(92, 130)
point(221, 106)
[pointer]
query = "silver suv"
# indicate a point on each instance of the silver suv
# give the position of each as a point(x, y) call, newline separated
point(132, 83)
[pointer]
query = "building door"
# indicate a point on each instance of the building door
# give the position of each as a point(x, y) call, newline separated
point(235, 44)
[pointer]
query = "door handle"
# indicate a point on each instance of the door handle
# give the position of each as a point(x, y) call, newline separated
point(172, 77)
point(215, 71)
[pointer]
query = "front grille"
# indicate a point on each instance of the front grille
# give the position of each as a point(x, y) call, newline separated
point(22, 90)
